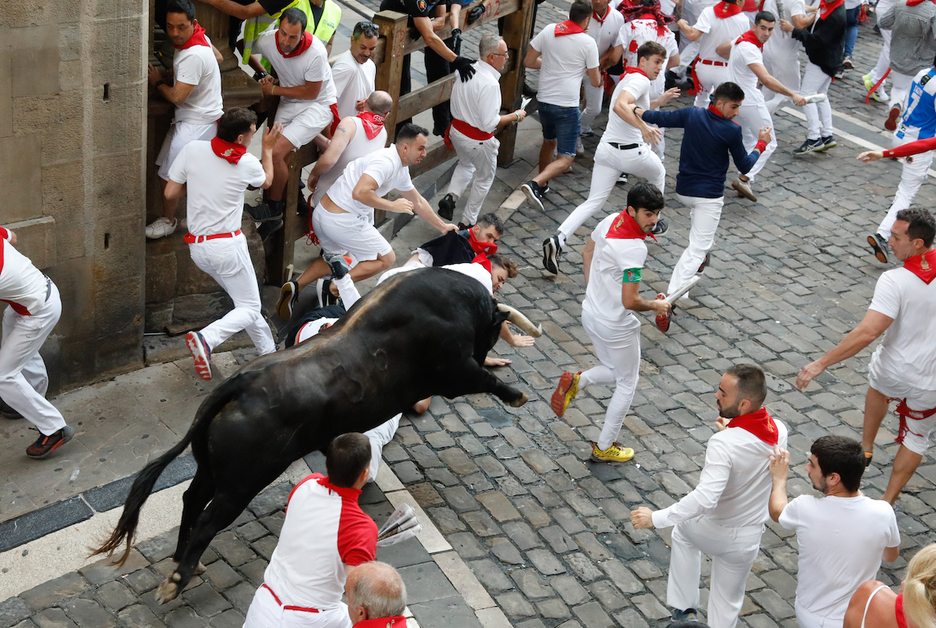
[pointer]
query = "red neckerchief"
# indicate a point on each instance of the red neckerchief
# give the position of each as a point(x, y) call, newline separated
point(568, 28)
point(372, 123)
point(626, 228)
point(486, 248)
point(482, 259)
point(632, 70)
point(727, 9)
point(898, 611)
point(601, 20)
point(383, 622)
point(923, 266)
point(749, 6)
point(302, 47)
point(228, 151)
point(913, 3)
point(827, 8)
point(760, 424)
point(714, 110)
point(197, 39)
point(751, 38)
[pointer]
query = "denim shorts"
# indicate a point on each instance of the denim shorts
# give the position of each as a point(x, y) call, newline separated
point(561, 124)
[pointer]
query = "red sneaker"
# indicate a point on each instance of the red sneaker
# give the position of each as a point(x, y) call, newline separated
point(200, 352)
point(565, 392)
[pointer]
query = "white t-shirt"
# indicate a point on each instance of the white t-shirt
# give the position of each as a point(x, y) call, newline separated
point(638, 32)
point(614, 262)
point(841, 542)
point(384, 166)
point(606, 34)
point(478, 101)
point(740, 72)
point(22, 285)
point(197, 66)
point(359, 146)
point(311, 66)
point(353, 81)
point(638, 86)
point(908, 349)
point(214, 187)
point(783, 46)
point(719, 31)
point(565, 60)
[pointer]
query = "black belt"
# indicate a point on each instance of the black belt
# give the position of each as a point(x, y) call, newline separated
point(623, 146)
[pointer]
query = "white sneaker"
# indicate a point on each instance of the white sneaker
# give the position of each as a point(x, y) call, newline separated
point(579, 147)
point(160, 228)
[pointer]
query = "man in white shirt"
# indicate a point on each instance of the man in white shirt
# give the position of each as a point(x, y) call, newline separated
point(624, 147)
point(195, 92)
point(781, 52)
point(746, 67)
point(475, 107)
point(354, 73)
point(214, 175)
point(716, 25)
point(841, 536)
point(724, 515)
point(307, 99)
point(903, 367)
point(562, 52)
point(605, 29)
point(614, 258)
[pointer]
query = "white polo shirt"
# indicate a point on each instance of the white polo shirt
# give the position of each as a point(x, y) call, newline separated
point(565, 60)
point(22, 285)
point(607, 34)
point(638, 32)
point(197, 66)
point(638, 86)
point(311, 66)
point(740, 72)
point(719, 31)
point(478, 101)
point(353, 81)
point(614, 262)
point(214, 187)
point(384, 166)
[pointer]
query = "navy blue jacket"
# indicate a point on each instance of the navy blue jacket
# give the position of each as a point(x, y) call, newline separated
point(703, 156)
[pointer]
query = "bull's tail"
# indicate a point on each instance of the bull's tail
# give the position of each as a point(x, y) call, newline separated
point(146, 479)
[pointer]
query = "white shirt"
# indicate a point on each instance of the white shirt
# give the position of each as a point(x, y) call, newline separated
point(565, 60)
point(719, 31)
point(311, 66)
point(617, 130)
point(22, 285)
point(734, 488)
point(606, 34)
point(384, 166)
point(358, 147)
point(353, 81)
point(478, 101)
point(740, 72)
point(841, 543)
point(613, 262)
point(197, 66)
point(214, 187)
point(782, 46)
point(638, 32)
point(907, 350)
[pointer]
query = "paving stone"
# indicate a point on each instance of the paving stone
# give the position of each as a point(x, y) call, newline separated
point(569, 589)
point(593, 616)
point(142, 580)
point(13, 610)
point(53, 591)
point(228, 619)
point(481, 523)
point(505, 551)
point(649, 607)
point(425, 495)
point(185, 617)
point(531, 584)
point(138, 616)
point(88, 613)
point(490, 575)
point(513, 605)
point(522, 535)
point(458, 461)
point(467, 546)
point(116, 595)
point(546, 562)
point(553, 608)
point(53, 618)
point(206, 601)
point(460, 499)
point(499, 506)
point(240, 595)
point(558, 540)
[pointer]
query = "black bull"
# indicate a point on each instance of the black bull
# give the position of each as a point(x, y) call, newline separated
point(419, 334)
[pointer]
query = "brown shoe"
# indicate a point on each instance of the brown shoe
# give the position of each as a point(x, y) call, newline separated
point(45, 445)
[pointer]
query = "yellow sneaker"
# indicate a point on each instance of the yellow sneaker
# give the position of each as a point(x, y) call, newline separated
point(614, 453)
point(565, 392)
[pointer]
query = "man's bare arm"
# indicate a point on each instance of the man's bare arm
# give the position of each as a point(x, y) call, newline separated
point(869, 329)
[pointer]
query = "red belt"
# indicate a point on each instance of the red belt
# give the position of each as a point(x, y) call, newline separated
point(192, 239)
point(336, 118)
point(718, 63)
point(302, 609)
point(469, 131)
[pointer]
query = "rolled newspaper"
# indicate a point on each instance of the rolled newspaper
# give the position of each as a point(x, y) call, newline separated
point(401, 525)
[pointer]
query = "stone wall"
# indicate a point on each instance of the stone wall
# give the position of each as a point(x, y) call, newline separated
point(72, 139)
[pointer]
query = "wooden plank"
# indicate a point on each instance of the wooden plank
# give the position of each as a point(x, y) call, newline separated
point(392, 27)
point(280, 248)
point(517, 37)
point(425, 97)
point(438, 154)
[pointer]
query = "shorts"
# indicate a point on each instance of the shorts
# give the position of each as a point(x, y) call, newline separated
point(916, 437)
point(301, 124)
point(561, 124)
point(180, 134)
point(351, 233)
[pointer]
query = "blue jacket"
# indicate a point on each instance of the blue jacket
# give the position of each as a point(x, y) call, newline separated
point(703, 156)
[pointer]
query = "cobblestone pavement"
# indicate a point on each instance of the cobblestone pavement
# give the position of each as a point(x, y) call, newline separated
point(545, 530)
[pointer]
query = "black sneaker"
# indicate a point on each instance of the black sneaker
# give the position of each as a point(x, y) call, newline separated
point(690, 614)
point(463, 227)
point(7, 411)
point(338, 264)
point(45, 445)
point(868, 456)
point(827, 142)
point(705, 263)
point(447, 207)
point(534, 194)
point(809, 146)
point(660, 227)
point(879, 244)
point(289, 294)
point(268, 228)
point(551, 252)
point(622, 178)
point(262, 212)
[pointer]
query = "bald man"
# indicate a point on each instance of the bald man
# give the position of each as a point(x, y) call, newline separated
point(376, 596)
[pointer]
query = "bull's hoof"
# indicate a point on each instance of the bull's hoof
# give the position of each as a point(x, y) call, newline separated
point(199, 569)
point(169, 588)
point(519, 401)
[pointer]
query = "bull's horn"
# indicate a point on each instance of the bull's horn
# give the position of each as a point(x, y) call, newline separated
point(521, 321)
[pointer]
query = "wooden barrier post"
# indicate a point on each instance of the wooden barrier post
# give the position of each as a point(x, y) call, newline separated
point(517, 37)
point(393, 32)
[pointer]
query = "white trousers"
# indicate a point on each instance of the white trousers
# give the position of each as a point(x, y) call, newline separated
point(265, 612)
point(911, 178)
point(23, 377)
point(476, 159)
point(818, 115)
point(705, 214)
point(227, 260)
point(609, 164)
point(883, 62)
point(808, 619)
point(710, 76)
point(618, 349)
point(751, 117)
point(380, 436)
point(594, 96)
point(733, 552)
point(785, 69)
point(900, 89)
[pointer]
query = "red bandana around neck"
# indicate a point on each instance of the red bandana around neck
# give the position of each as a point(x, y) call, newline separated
point(632, 70)
point(302, 47)
point(383, 622)
point(197, 39)
point(751, 38)
point(714, 110)
point(923, 265)
point(568, 28)
point(760, 424)
point(898, 611)
point(485, 248)
point(727, 9)
point(372, 123)
point(601, 19)
point(624, 227)
point(227, 150)
point(828, 7)
point(913, 3)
